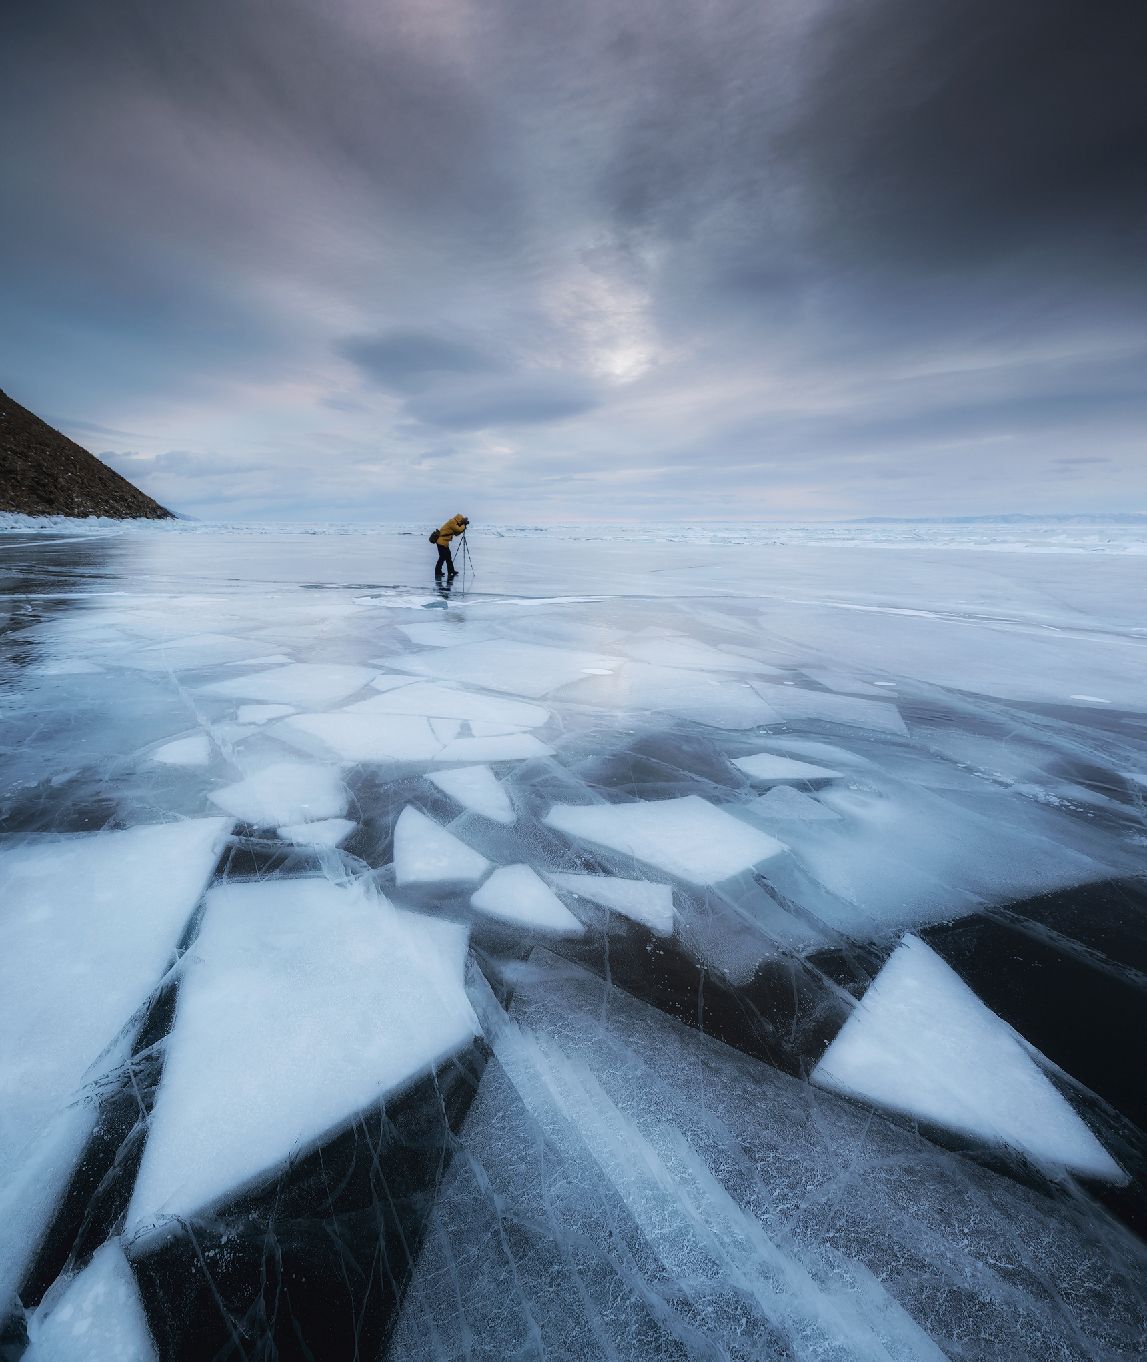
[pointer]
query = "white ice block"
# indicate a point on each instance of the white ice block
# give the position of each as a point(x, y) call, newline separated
point(193, 751)
point(433, 700)
point(98, 1318)
point(327, 833)
point(284, 792)
point(425, 853)
point(303, 1004)
point(767, 766)
point(922, 1043)
point(687, 837)
point(515, 893)
point(529, 669)
point(717, 701)
point(447, 634)
point(476, 788)
point(88, 926)
point(302, 684)
point(641, 900)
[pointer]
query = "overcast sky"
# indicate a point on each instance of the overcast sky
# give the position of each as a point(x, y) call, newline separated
point(583, 259)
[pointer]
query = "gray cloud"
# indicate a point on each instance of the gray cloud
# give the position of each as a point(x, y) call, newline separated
point(826, 258)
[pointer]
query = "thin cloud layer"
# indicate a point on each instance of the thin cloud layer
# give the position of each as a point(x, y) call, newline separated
point(785, 260)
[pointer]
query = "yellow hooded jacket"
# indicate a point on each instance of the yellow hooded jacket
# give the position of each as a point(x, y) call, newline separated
point(451, 528)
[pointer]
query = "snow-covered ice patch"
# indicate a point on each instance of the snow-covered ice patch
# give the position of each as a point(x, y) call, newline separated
point(193, 751)
point(329, 832)
point(305, 685)
point(529, 669)
point(436, 701)
point(98, 1317)
point(768, 766)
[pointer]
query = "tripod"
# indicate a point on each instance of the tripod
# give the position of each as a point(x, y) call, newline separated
point(467, 561)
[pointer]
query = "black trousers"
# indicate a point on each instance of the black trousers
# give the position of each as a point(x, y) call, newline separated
point(444, 560)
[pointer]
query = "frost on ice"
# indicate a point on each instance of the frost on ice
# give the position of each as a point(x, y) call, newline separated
point(922, 1043)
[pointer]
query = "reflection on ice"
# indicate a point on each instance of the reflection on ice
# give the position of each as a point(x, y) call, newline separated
point(302, 1081)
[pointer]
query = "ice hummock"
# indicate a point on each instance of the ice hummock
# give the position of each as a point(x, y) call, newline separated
point(687, 837)
point(921, 1042)
point(303, 1003)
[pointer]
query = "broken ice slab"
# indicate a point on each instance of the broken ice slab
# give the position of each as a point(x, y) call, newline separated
point(651, 1193)
point(795, 704)
point(640, 900)
point(447, 634)
point(262, 714)
point(327, 833)
point(529, 669)
point(786, 803)
point(510, 747)
point(768, 766)
point(88, 927)
point(476, 788)
point(425, 853)
point(677, 651)
point(98, 1317)
point(306, 685)
point(303, 1003)
point(436, 701)
point(284, 792)
point(715, 701)
point(920, 1042)
point(514, 893)
point(358, 736)
point(193, 751)
point(686, 837)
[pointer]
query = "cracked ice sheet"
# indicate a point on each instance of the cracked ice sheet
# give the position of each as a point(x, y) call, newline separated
point(528, 669)
point(356, 736)
point(303, 1003)
point(651, 1193)
point(515, 894)
point(686, 837)
point(89, 924)
point(922, 1043)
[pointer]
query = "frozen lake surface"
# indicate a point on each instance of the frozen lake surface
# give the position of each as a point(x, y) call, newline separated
point(702, 944)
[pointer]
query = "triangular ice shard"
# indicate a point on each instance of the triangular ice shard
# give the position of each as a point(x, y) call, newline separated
point(99, 1318)
point(922, 1043)
point(514, 893)
point(88, 926)
point(686, 837)
point(477, 788)
point(304, 1002)
point(642, 900)
point(768, 767)
point(425, 853)
point(284, 792)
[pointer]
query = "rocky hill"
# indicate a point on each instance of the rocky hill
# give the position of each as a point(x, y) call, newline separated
point(44, 473)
